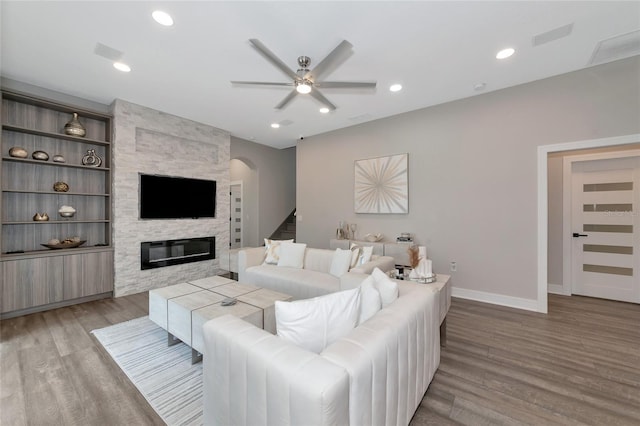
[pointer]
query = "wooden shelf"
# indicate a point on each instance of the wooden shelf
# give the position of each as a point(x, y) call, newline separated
point(84, 194)
point(62, 136)
point(51, 163)
point(55, 222)
point(33, 277)
point(46, 252)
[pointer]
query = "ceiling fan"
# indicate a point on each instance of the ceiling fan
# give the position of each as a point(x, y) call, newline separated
point(307, 81)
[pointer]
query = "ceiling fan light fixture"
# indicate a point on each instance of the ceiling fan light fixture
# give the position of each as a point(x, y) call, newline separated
point(303, 87)
point(275, 125)
point(324, 110)
point(395, 87)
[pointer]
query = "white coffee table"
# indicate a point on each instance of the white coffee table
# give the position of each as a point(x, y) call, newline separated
point(182, 309)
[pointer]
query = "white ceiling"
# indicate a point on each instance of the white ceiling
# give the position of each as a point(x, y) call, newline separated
point(437, 50)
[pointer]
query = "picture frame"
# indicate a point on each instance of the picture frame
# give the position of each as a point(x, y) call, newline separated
point(381, 185)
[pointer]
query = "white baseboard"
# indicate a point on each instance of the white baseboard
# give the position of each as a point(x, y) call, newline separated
point(557, 289)
point(495, 299)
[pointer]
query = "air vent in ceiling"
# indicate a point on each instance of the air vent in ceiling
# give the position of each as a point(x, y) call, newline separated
point(361, 117)
point(552, 35)
point(619, 47)
point(284, 123)
point(108, 52)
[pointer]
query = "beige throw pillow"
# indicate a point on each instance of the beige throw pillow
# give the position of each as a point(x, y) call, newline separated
point(272, 250)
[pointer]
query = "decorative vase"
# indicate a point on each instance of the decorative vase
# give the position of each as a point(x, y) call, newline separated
point(58, 159)
point(61, 187)
point(74, 127)
point(40, 155)
point(67, 211)
point(41, 217)
point(91, 159)
point(18, 152)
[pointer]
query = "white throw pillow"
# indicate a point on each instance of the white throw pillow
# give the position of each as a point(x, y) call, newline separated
point(292, 255)
point(370, 301)
point(387, 287)
point(313, 324)
point(272, 250)
point(340, 262)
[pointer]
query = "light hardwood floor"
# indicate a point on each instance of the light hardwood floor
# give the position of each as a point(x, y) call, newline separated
point(580, 364)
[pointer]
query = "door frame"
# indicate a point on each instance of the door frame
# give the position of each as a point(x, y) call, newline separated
point(543, 203)
point(232, 183)
point(567, 228)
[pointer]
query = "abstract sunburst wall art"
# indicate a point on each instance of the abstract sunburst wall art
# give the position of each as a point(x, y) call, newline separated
point(382, 185)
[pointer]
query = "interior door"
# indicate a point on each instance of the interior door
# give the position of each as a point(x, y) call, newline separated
point(605, 217)
point(235, 223)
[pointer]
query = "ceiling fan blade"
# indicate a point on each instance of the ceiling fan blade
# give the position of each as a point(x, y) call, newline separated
point(336, 56)
point(320, 97)
point(271, 57)
point(262, 83)
point(287, 99)
point(346, 85)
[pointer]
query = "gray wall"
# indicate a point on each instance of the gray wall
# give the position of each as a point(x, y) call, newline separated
point(153, 142)
point(472, 171)
point(276, 192)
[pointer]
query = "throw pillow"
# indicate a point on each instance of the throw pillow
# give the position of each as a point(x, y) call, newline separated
point(313, 324)
point(356, 251)
point(370, 301)
point(387, 287)
point(272, 250)
point(340, 262)
point(292, 255)
point(366, 255)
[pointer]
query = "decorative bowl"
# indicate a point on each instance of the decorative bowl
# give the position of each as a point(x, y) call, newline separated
point(373, 238)
point(40, 155)
point(67, 214)
point(18, 152)
point(61, 187)
point(72, 244)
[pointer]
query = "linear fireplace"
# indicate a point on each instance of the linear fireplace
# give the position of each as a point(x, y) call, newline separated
point(157, 254)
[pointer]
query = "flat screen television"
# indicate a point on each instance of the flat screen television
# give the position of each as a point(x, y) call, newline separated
point(170, 197)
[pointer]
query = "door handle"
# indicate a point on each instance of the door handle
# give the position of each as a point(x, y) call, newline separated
point(576, 235)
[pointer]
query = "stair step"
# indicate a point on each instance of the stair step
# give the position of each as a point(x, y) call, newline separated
point(285, 235)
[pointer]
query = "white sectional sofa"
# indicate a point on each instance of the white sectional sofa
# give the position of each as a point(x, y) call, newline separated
point(314, 279)
point(375, 375)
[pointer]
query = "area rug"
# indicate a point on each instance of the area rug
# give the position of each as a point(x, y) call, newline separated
point(163, 374)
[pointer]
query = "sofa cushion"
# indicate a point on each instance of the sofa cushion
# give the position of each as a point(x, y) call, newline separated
point(272, 250)
point(292, 255)
point(387, 287)
point(340, 263)
point(370, 301)
point(299, 283)
point(315, 323)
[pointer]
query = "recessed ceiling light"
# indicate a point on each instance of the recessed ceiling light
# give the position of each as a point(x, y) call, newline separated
point(275, 125)
point(324, 110)
point(162, 18)
point(121, 66)
point(505, 53)
point(395, 87)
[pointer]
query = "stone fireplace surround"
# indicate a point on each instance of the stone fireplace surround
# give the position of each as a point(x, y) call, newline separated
point(153, 142)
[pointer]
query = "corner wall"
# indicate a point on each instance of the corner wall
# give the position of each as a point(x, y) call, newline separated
point(472, 173)
point(153, 142)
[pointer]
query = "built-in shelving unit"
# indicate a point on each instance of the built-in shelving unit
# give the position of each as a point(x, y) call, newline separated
point(34, 277)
